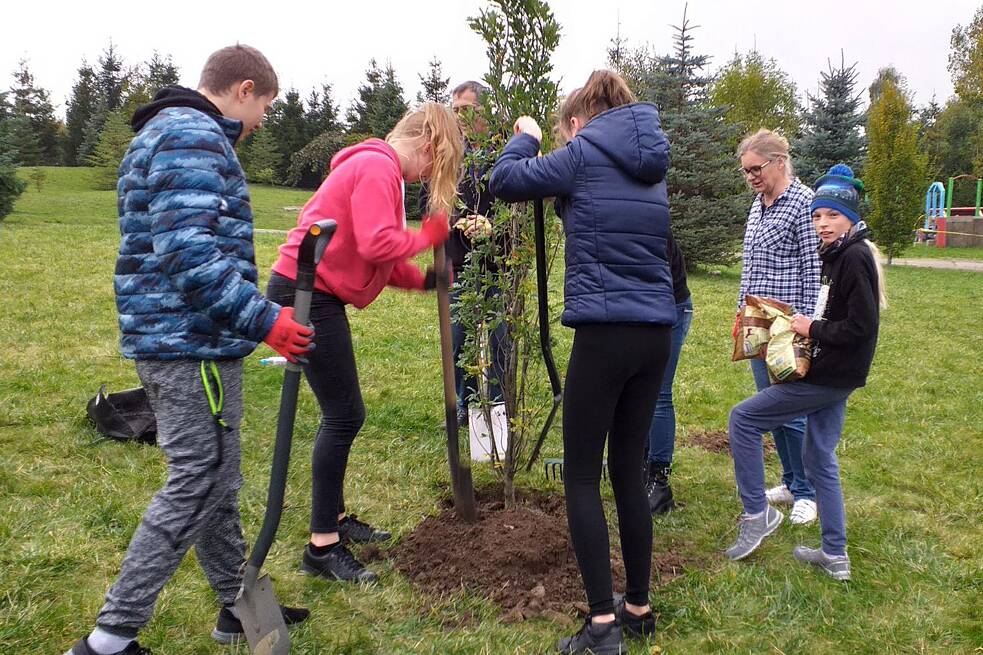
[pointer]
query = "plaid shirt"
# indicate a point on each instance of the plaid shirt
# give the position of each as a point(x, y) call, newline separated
point(781, 259)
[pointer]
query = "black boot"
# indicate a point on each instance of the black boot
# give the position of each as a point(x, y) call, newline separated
point(658, 490)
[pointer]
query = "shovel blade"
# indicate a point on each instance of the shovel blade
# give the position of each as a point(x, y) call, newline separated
point(262, 619)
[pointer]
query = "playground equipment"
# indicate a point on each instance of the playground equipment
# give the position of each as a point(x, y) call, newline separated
point(949, 226)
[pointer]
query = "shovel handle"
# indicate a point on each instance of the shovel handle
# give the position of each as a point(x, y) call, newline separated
point(309, 255)
point(460, 469)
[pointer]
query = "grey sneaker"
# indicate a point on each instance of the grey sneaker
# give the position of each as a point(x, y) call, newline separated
point(835, 566)
point(752, 531)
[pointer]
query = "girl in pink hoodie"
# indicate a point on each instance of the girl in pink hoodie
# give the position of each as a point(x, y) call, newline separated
point(371, 249)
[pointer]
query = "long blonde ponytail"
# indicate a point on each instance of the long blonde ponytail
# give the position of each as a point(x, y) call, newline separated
point(881, 286)
point(435, 124)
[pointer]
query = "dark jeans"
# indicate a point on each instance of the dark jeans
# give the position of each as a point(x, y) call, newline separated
point(467, 385)
point(825, 408)
point(788, 442)
point(613, 380)
point(333, 377)
point(662, 434)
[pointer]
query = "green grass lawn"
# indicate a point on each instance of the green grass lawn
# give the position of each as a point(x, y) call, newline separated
point(912, 456)
point(923, 251)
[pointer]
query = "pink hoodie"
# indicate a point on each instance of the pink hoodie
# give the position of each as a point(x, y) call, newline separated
point(371, 247)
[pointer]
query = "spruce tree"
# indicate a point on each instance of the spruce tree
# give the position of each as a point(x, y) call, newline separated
point(81, 105)
point(34, 105)
point(832, 131)
point(434, 84)
point(380, 103)
point(895, 173)
point(322, 112)
point(264, 158)
point(288, 127)
point(707, 197)
point(113, 141)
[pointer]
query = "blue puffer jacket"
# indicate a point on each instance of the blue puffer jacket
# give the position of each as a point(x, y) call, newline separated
point(609, 184)
point(186, 272)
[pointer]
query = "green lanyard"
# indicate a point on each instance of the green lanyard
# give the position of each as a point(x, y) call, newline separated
point(215, 405)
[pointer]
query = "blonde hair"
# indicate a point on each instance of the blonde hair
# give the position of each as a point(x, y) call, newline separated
point(769, 145)
point(603, 90)
point(881, 286)
point(435, 124)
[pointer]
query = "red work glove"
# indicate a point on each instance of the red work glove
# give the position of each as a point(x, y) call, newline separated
point(288, 337)
point(737, 326)
point(430, 279)
point(435, 228)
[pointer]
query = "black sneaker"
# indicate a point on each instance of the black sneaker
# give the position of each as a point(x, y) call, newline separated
point(632, 624)
point(228, 629)
point(82, 648)
point(658, 490)
point(337, 564)
point(351, 530)
point(594, 639)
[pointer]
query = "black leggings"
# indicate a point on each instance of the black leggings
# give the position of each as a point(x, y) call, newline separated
point(333, 377)
point(613, 381)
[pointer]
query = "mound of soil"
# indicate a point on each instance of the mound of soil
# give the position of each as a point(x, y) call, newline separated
point(520, 557)
point(717, 441)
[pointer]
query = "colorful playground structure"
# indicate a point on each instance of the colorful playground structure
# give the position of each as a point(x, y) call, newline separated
point(947, 226)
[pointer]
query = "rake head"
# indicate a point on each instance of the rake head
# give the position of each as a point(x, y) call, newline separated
point(553, 468)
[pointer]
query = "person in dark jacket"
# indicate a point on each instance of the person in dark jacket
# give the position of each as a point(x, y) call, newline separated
point(189, 312)
point(843, 330)
point(662, 434)
point(469, 223)
point(610, 190)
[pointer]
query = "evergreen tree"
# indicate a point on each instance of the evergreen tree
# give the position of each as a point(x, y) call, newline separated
point(309, 166)
point(34, 104)
point(832, 130)
point(264, 158)
point(757, 93)
point(142, 82)
point(289, 128)
point(380, 103)
point(111, 79)
point(322, 112)
point(706, 196)
point(11, 186)
point(92, 130)
point(895, 174)
point(24, 147)
point(434, 84)
point(81, 105)
point(113, 141)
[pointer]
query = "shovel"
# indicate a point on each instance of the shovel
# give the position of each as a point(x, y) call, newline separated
point(259, 611)
point(460, 468)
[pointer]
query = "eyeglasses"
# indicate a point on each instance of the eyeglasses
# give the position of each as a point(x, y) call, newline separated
point(754, 171)
point(461, 109)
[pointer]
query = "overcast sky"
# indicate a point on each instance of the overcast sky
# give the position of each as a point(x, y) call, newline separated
point(315, 42)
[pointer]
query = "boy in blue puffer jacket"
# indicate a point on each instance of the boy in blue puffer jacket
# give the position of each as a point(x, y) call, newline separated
point(189, 311)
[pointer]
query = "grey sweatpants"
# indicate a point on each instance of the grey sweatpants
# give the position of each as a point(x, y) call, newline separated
point(197, 506)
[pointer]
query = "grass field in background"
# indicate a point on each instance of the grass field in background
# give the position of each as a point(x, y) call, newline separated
point(912, 456)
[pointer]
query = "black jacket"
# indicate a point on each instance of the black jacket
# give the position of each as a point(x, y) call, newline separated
point(680, 290)
point(845, 338)
point(473, 192)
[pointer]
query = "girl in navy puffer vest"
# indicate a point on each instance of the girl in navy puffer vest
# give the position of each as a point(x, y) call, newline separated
point(609, 184)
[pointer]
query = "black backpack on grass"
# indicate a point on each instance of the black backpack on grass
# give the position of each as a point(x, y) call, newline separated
point(124, 415)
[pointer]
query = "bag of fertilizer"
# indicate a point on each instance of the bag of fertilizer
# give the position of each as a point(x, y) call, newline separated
point(751, 337)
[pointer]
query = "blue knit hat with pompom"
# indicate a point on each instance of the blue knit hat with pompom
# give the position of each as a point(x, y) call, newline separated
point(838, 189)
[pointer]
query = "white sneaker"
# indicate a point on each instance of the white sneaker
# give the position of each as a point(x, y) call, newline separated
point(803, 512)
point(779, 495)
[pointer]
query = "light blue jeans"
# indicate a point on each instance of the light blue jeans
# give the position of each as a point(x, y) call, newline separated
point(788, 442)
point(825, 407)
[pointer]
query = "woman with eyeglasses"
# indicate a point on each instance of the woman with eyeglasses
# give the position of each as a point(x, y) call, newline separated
point(781, 261)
